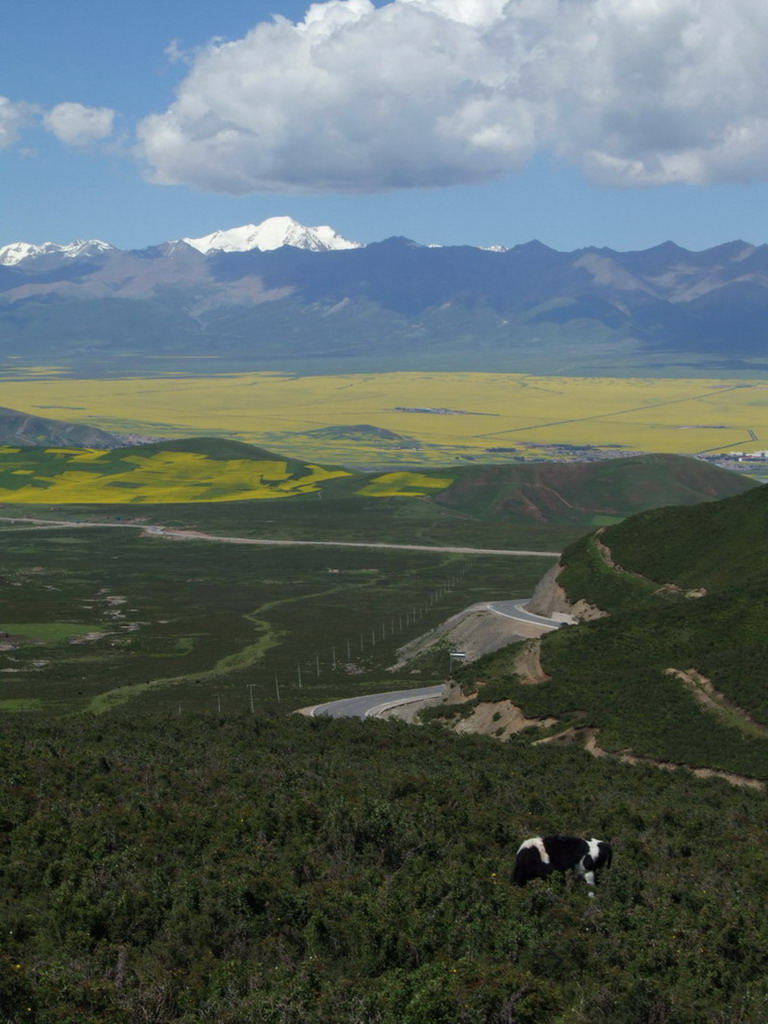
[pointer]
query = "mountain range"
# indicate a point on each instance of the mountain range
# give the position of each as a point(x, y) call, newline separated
point(279, 293)
point(268, 235)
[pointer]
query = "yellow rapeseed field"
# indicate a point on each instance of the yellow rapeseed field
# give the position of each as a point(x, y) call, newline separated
point(439, 416)
point(87, 477)
point(404, 485)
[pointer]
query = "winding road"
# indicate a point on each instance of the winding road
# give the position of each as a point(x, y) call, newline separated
point(372, 705)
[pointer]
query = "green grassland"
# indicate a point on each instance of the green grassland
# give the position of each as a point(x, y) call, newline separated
point(114, 617)
point(176, 847)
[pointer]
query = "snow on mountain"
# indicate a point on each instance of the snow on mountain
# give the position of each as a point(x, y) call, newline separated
point(271, 234)
point(18, 251)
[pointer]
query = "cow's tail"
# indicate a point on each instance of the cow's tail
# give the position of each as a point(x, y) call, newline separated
point(608, 854)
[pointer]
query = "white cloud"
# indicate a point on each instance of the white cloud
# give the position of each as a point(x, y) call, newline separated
point(76, 125)
point(13, 116)
point(440, 92)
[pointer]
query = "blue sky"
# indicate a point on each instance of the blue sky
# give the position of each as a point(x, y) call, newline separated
point(578, 122)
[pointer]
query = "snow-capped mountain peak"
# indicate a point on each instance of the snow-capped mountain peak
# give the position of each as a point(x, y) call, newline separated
point(18, 251)
point(272, 234)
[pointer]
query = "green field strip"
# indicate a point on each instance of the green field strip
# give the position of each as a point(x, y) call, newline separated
point(244, 658)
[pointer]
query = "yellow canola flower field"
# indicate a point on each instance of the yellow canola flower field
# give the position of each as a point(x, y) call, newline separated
point(90, 477)
point(404, 485)
point(439, 416)
point(164, 477)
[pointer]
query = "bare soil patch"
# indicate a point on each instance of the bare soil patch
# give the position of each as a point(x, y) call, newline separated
point(528, 664)
point(501, 720)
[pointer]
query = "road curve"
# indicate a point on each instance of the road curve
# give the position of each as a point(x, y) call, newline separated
point(515, 609)
point(369, 706)
point(372, 705)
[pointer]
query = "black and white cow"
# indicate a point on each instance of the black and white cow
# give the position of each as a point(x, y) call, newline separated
point(540, 856)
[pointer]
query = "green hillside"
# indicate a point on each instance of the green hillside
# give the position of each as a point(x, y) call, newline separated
point(214, 470)
point(676, 671)
point(589, 492)
point(724, 544)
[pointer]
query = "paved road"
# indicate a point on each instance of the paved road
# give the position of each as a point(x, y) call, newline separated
point(172, 533)
point(366, 707)
point(370, 706)
point(515, 609)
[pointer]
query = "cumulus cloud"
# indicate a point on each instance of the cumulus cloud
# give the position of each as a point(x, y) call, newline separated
point(440, 92)
point(13, 116)
point(77, 125)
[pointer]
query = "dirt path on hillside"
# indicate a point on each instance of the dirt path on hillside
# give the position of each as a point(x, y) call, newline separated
point(587, 736)
point(713, 700)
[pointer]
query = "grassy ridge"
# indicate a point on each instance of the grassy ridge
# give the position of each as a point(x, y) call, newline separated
point(614, 674)
point(586, 492)
point(722, 545)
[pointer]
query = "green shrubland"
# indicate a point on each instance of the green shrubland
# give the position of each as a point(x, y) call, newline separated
point(226, 869)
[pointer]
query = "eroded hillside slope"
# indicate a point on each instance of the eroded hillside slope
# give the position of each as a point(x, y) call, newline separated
point(667, 661)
